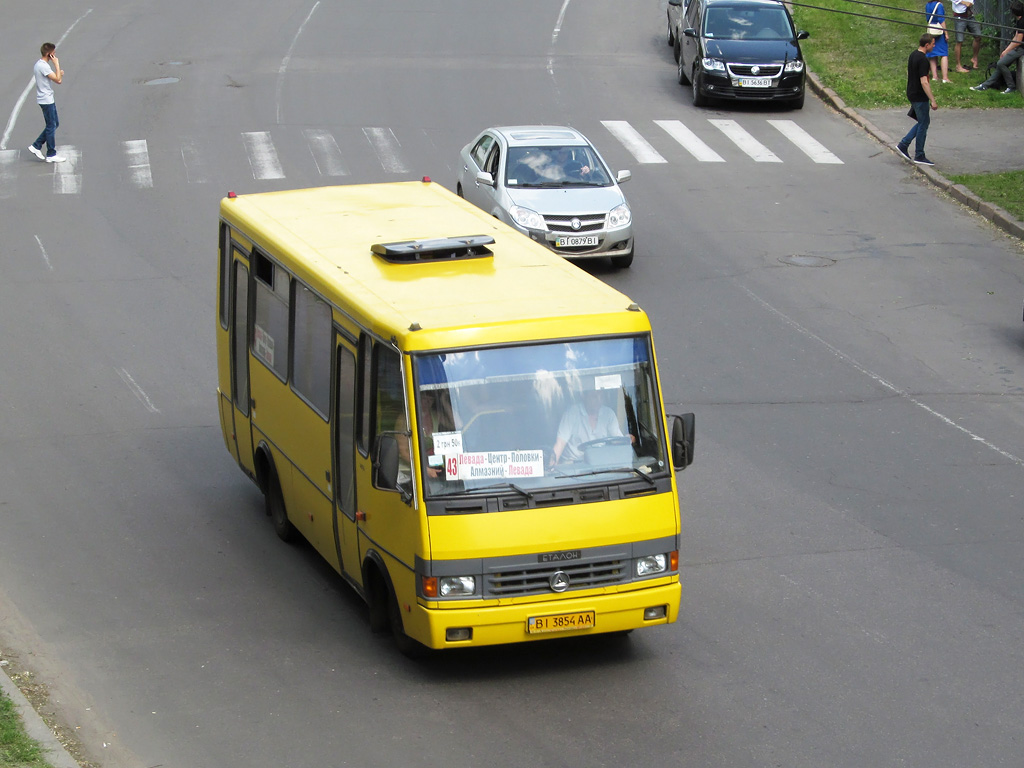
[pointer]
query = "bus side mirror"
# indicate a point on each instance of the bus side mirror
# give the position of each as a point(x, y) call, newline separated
point(682, 431)
point(385, 463)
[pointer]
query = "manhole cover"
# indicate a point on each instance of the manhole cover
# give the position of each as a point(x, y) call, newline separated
point(801, 260)
point(163, 81)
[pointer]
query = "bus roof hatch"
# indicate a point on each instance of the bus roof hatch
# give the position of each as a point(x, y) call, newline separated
point(441, 249)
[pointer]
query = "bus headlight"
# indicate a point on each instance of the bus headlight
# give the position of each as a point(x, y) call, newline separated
point(456, 586)
point(526, 218)
point(651, 564)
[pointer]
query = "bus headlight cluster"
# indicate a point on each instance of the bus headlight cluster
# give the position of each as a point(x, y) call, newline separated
point(526, 218)
point(651, 564)
point(619, 216)
point(456, 586)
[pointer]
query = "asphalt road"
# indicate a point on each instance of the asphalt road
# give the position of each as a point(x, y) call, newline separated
point(850, 341)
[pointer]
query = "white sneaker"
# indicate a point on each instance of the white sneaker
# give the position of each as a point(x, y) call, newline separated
point(56, 159)
point(37, 152)
point(1009, 90)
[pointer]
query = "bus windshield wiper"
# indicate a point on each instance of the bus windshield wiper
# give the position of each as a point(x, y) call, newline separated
point(496, 486)
point(608, 470)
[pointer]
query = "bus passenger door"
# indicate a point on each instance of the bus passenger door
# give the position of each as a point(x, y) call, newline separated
point(345, 527)
point(240, 367)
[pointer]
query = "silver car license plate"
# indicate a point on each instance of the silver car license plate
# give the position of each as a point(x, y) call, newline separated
point(755, 82)
point(575, 241)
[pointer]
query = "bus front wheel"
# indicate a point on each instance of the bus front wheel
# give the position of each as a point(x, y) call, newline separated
point(406, 645)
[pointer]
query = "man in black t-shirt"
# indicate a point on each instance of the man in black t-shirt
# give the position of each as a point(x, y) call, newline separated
point(919, 93)
point(1013, 51)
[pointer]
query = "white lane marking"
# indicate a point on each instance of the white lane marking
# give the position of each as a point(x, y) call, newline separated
point(758, 151)
point(326, 154)
point(46, 258)
point(386, 147)
point(690, 142)
point(287, 59)
point(809, 145)
point(137, 390)
point(558, 24)
point(137, 153)
point(262, 155)
point(195, 167)
point(66, 178)
point(8, 157)
point(633, 141)
point(32, 84)
point(882, 382)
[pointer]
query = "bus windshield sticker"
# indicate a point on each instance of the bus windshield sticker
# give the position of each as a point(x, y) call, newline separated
point(489, 464)
point(447, 442)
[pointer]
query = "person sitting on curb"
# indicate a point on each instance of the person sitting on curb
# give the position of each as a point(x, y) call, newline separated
point(1013, 51)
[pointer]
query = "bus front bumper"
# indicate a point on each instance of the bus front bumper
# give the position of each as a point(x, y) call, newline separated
point(594, 614)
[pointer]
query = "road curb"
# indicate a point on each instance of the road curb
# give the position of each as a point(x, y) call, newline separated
point(998, 216)
point(56, 754)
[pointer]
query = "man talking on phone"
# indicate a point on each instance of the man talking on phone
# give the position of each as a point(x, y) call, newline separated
point(47, 71)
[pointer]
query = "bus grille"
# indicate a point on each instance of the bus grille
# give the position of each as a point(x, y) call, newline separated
point(514, 582)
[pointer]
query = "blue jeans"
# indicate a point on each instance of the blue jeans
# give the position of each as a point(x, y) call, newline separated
point(49, 134)
point(920, 130)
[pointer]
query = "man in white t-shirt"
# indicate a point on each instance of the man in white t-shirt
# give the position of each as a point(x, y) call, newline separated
point(47, 71)
point(581, 423)
point(964, 21)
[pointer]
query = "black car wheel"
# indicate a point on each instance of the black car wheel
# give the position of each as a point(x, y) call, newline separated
point(671, 37)
point(699, 99)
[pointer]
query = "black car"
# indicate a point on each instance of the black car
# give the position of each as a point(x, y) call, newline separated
point(741, 49)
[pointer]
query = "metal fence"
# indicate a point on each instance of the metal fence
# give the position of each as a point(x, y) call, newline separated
point(993, 12)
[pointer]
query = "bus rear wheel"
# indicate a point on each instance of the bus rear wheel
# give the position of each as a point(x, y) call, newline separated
point(276, 511)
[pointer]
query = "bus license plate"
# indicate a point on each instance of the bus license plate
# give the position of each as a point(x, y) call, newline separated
point(575, 241)
point(560, 622)
point(755, 82)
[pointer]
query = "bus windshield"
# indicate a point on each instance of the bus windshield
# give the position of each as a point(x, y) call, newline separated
point(539, 416)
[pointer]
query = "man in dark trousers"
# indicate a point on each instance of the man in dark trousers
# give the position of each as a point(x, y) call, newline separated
point(1013, 51)
point(919, 92)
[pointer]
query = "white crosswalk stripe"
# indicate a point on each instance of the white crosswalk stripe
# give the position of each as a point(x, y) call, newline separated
point(742, 139)
point(262, 155)
point(195, 165)
point(8, 157)
point(325, 151)
point(386, 147)
point(691, 143)
point(67, 176)
point(139, 172)
point(631, 139)
point(809, 145)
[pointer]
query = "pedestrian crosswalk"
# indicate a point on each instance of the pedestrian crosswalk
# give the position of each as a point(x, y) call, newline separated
point(654, 143)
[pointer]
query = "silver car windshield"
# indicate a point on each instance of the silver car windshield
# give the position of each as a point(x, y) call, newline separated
point(747, 23)
point(565, 166)
point(536, 417)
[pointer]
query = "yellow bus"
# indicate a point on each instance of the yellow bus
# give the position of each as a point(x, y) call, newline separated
point(467, 427)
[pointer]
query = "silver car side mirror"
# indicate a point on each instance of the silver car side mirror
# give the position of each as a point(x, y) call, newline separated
point(485, 178)
point(624, 176)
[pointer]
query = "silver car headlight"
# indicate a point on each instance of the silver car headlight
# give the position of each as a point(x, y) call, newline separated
point(456, 586)
point(794, 66)
point(619, 216)
point(651, 564)
point(526, 218)
point(712, 65)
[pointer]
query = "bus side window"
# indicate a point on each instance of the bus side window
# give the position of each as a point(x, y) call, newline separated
point(311, 349)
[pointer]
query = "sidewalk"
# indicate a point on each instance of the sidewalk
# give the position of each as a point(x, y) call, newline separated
point(959, 141)
point(35, 727)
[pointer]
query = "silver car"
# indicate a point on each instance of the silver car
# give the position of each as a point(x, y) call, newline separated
point(551, 184)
